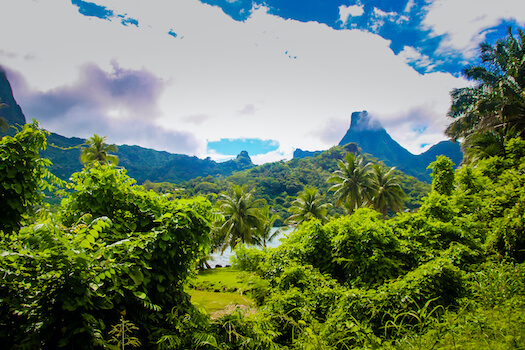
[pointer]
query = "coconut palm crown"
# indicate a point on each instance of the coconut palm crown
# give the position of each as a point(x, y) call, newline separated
point(496, 103)
point(307, 206)
point(353, 183)
point(96, 150)
point(242, 216)
point(387, 191)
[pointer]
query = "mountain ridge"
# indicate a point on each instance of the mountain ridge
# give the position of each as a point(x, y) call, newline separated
point(160, 166)
point(141, 163)
point(373, 139)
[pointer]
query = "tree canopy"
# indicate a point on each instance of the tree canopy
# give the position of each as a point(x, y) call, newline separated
point(496, 103)
point(353, 182)
point(96, 150)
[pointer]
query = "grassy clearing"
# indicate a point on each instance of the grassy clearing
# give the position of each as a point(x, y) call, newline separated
point(226, 279)
point(220, 291)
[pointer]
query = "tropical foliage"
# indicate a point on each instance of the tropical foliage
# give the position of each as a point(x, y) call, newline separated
point(308, 206)
point(241, 216)
point(496, 104)
point(96, 150)
point(353, 182)
point(22, 172)
point(114, 260)
point(69, 278)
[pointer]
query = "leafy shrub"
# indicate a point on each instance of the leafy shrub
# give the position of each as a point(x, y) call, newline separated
point(310, 244)
point(507, 236)
point(21, 174)
point(365, 248)
point(463, 256)
point(495, 283)
point(438, 280)
point(442, 175)
point(247, 259)
point(235, 331)
point(438, 207)
point(67, 285)
point(105, 190)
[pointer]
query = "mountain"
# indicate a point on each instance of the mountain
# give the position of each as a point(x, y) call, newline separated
point(147, 164)
point(141, 163)
point(373, 139)
point(11, 111)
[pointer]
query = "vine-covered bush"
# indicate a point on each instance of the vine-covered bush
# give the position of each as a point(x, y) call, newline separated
point(119, 251)
point(21, 174)
point(365, 248)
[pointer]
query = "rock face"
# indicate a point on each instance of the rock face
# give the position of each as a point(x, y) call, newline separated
point(11, 110)
point(374, 140)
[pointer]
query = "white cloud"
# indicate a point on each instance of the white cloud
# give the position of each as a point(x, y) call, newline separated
point(273, 156)
point(218, 67)
point(380, 13)
point(409, 6)
point(463, 22)
point(412, 56)
point(347, 11)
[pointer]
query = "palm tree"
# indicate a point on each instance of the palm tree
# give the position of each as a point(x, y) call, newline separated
point(242, 216)
point(265, 235)
point(497, 101)
point(484, 145)
point(307, 206)
point(353, 184)
point(387, 189)
point(97, 150)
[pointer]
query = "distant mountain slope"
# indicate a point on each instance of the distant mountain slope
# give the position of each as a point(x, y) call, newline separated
point(279, 183)
point(141, 163)
point(373, 139)
point(12, 112)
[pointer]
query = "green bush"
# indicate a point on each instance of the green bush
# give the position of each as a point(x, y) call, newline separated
point(438, 281)
point(247, 258)
point(66, 285)
point(365, 249)
point(21, 174)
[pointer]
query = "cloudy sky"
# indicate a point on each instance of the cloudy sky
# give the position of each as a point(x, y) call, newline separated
point(214, 77)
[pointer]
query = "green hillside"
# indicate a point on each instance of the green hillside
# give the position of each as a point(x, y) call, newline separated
point(373, 139)
point(280, 182)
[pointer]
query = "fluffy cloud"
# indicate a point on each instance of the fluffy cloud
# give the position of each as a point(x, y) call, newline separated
point(350, 11)
point(121, 94)
point(293, 79)
point(120, 104)
point(416, 58)
point(464, 23)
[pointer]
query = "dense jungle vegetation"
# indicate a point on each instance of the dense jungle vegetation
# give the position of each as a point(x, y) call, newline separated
point(109, 268)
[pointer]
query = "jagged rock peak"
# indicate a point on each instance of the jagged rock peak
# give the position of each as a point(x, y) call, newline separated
point(244, 157)
point(362, 121)
point(243, 154)
point(11, 111)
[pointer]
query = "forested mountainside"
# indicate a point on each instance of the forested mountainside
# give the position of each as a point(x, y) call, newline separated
point(279, 183)
point(159, 166)
point(141, 163)
point(374, 140)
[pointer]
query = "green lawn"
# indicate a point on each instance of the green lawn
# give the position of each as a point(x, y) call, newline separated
point(220, 290)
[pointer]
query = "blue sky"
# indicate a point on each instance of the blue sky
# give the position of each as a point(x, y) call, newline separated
point(210, 77)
